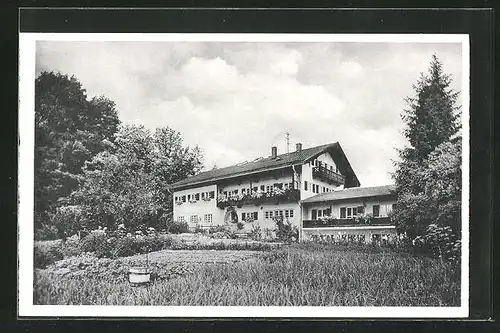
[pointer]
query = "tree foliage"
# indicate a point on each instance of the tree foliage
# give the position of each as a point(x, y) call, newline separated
point(128, 184)
point(69, 130)
point(428, 174)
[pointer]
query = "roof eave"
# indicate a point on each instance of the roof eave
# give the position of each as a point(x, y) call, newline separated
point(216, 179)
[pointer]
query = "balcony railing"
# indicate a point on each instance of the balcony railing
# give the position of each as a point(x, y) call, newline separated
point(350, 222)
point(257, 198)
point(328, 175)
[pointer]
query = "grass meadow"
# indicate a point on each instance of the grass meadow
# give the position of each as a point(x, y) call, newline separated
point(296, 275)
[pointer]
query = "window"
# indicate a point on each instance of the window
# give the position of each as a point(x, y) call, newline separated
point(183, 198)
point(255, 188)
point(278, 185)
point(189, 197)
point(194, 219)
point(255, 215)
point(389, 208)
point(262, 188)
point(243, 191)
point(290, 185)
point(208, 218)
point(291, 213)
point(235, 192)
point(314, 214)
point(212, 194)
point(320, 213)
point(197, 196)
point(243, 215)
point(203, 195)
point(305, 185)
point(325, 212)
point(342, 212)
point(376, 210)
point(266, 214)
point(180, 219)
point(361, 209)
point(269, 188)
point(225, 193)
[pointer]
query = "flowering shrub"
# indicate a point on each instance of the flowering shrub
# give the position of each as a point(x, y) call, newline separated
point(255, 232)
point(285, 231)
point(440, 242)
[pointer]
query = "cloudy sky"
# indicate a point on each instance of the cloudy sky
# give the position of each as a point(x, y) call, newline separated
point(236, 100)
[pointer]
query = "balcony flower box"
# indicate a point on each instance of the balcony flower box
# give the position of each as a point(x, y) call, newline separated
point(257, 198)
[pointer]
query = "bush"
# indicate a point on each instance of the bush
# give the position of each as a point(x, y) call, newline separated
point(240, 225)
point(199, 230)
point(98, 243)
point(217, 229)
point(176, 227)
point(285, 231)
point(71, 247)
point(46, 253)
point(46, 232)
point(439, 242)
point(256, 233)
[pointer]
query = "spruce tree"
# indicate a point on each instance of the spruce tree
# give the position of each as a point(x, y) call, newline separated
point(431, 121)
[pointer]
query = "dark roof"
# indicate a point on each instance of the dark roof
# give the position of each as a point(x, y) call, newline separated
point(269, 163)
point(351, 193)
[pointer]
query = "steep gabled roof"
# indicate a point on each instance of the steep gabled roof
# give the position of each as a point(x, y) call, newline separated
point(352, 193)
point(270, 163)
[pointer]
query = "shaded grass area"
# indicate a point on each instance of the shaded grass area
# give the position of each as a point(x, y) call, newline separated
point(292, 276)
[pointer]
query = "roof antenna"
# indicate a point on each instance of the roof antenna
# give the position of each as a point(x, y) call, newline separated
point(287, 142)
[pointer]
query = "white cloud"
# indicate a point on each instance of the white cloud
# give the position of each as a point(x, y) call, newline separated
point(236, 100)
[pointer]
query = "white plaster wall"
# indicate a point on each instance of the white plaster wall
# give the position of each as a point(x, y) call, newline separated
point(199, 208)
point(307, 176)
point(268, 223)
point(335, 206)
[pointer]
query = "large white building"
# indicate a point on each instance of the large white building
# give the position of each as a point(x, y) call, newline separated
point(277, 185)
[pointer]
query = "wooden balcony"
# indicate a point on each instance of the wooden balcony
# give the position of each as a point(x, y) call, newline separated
point(327, 175)
point(350, 222)
point(284, 196)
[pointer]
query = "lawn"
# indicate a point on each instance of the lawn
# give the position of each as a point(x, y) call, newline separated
point(294, 275)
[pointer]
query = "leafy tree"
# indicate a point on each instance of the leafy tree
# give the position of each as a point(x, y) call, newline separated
point(128, 183)
point(428, 174)
point(69, 130)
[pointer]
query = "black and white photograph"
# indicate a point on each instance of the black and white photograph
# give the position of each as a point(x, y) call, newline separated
point(243, 175)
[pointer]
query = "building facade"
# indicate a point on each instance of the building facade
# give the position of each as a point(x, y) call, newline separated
point(363, 212)
point(315, 189)
point(255, 192)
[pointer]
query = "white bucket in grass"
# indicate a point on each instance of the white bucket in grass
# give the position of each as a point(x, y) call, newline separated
point(139, 275)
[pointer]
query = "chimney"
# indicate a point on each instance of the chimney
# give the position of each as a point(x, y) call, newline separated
point(298, 147)
point(274, 152)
